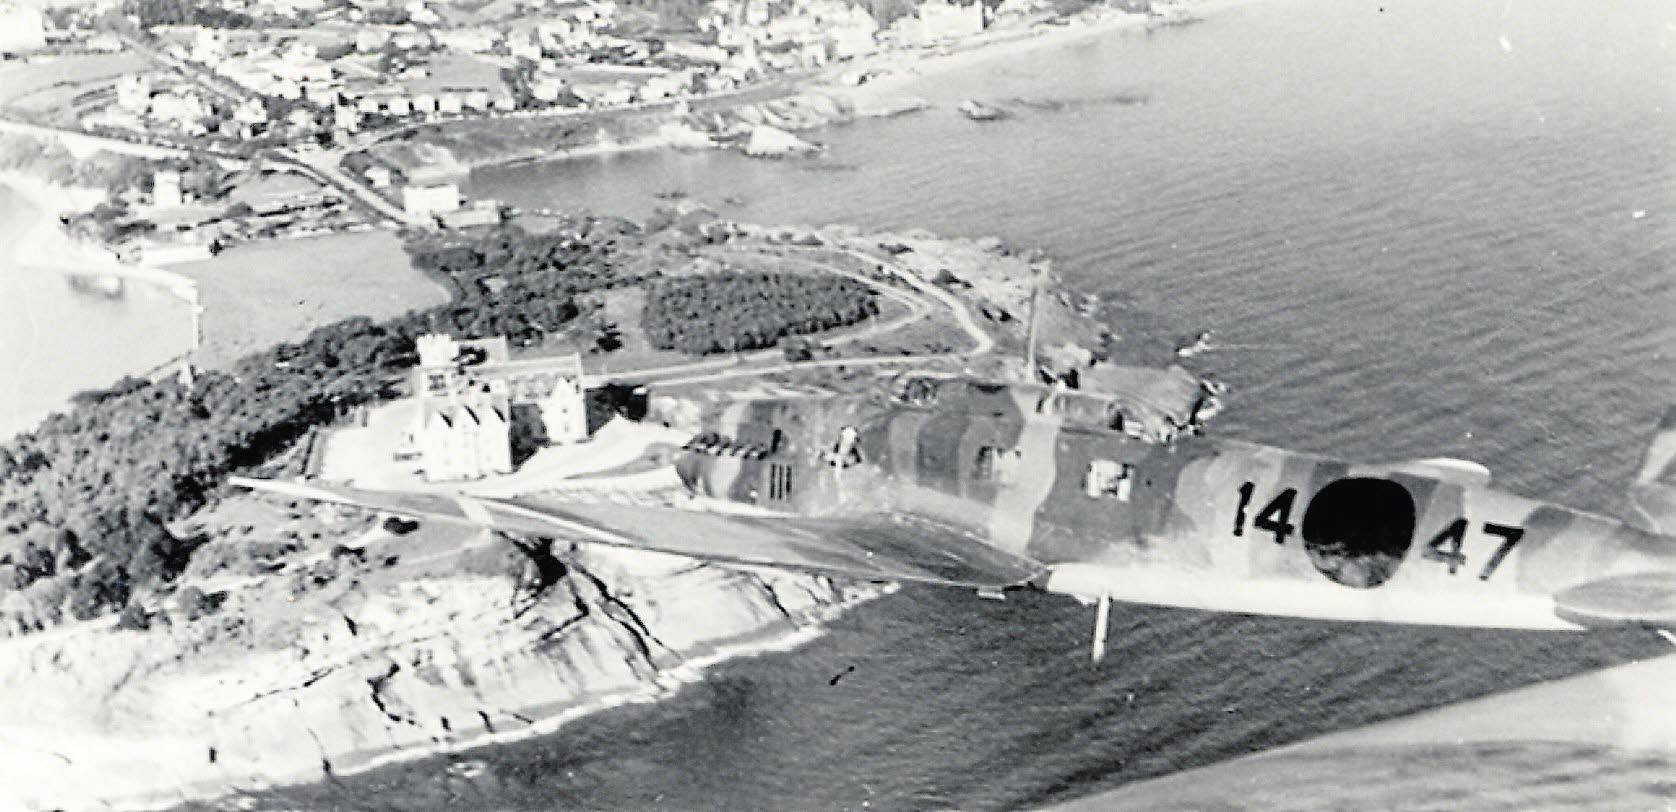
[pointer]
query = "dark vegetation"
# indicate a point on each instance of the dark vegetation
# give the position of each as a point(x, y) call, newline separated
point(749, 310)
point(523, 285)
point(185, 12)
point(85, 497)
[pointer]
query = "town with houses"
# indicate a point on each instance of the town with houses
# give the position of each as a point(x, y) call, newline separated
point(280, 100)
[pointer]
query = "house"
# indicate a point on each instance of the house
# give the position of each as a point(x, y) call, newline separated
point(605, 94)
point(250, 111)
point(165, 189)
point(470, 394)
point(546, 87)
point(301, 119)
point(467, 40)
point(479, 213)
point(853, 35)
point(939, 21)
point(368, 40)
point(285, 88)
point(464, 438)
point(378, 176)
point(133, 92)
point(454, 370)
point(181, 108)
point(429, 201)
point(1151, 402)
point(524, 46)
point(670, 84)
point(564, 411)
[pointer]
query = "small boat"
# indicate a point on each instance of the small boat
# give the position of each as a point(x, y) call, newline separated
point(1201, 343)
point(978, 111)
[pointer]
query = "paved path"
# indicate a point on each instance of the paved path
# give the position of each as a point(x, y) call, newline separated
point(323, 167)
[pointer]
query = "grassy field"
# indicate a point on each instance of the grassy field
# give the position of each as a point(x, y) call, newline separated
point(258, 294)
point(46, 87)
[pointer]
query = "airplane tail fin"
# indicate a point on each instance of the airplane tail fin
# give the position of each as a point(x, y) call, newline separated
point(1652, 496)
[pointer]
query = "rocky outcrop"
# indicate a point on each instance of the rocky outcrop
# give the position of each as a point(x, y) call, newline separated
point(772, 142)
point(348, 662)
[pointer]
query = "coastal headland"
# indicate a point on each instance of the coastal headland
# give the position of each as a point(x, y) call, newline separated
point(263, 641)
point(188, 642)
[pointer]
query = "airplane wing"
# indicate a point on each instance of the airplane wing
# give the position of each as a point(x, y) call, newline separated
point(1600, 740)
point(871, 547)
point(1642, 599)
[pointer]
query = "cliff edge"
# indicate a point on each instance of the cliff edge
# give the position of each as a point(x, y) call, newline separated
point(291, 661)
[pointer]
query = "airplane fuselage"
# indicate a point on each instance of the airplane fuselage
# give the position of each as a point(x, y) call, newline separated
point(1196, 521)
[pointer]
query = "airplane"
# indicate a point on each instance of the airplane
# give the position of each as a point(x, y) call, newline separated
point(999, 486)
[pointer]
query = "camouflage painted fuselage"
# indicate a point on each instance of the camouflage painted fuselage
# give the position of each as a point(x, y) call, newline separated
point(1193, 521)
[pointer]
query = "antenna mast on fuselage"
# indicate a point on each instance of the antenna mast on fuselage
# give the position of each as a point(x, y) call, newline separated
point(1040, 269)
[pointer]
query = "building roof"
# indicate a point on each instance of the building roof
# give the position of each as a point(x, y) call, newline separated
point(469, 413)
point(1171, 392)
point(495, 349)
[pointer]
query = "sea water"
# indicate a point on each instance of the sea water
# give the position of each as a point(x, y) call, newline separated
point(1417, 229)
point(57, 339)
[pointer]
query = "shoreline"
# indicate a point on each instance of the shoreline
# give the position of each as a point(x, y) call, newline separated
point(665, 685)
point(541, 719)
point(45, 236)
point(41, 248)
point(890, 94)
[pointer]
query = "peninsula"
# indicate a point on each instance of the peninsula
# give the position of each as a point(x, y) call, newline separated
point(178, 639)
point(249, 640)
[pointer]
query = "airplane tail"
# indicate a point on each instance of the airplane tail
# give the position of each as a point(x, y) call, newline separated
point(1652, 496)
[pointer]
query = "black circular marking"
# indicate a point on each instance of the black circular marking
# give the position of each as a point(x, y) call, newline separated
point(1358, 529)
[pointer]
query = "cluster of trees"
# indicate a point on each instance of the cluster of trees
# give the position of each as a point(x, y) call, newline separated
point(736, 310)
point(186, 12)
point(522, 285)
point(85, 498)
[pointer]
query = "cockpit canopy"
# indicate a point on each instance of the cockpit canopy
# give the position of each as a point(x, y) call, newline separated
point(1146, 403)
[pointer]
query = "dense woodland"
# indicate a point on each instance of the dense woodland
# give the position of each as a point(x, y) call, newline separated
point(185, 12)
point(84, 498)
point(742, 311)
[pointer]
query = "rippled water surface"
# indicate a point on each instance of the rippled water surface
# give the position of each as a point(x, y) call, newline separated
point(1417, 229)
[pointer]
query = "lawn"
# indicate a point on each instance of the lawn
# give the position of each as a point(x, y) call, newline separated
point(258, 294)
point(46, 86)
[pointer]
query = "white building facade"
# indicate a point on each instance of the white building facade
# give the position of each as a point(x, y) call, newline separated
point(468, 393)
